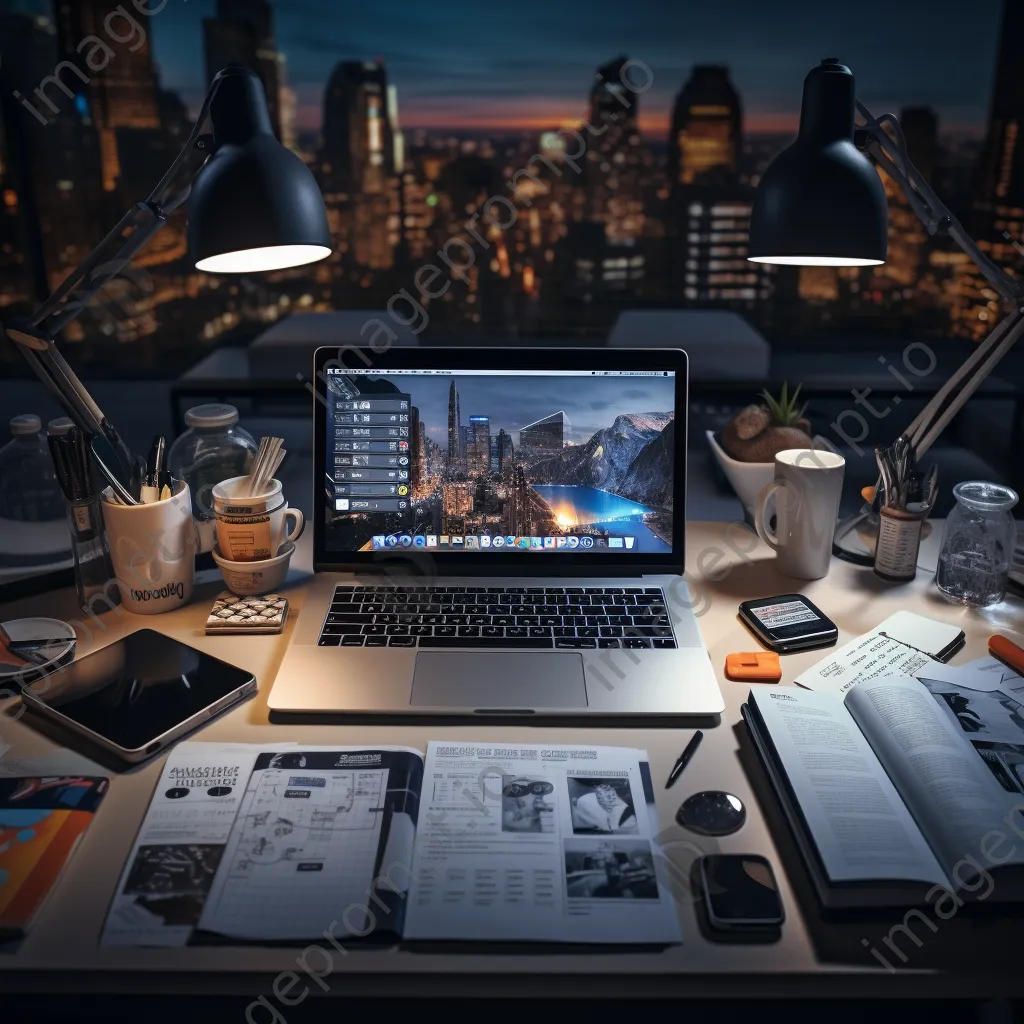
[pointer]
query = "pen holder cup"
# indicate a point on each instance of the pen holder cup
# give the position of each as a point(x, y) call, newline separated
point(152, 549)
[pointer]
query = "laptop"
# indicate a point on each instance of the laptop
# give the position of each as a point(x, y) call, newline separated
point(498, 532)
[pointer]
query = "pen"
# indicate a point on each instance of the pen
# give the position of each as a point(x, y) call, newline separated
point(684, 758)
point(154, 465)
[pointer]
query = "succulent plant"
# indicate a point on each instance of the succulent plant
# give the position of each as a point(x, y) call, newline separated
point(757, 432)
point(785, 411)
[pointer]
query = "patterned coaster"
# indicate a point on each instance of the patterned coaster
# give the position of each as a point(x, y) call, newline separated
point(263, 614)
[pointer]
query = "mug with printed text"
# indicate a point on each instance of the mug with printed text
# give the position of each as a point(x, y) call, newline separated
point(253, 527)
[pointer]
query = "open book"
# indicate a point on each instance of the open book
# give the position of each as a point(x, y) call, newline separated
point(481, 841)
point(888, 800)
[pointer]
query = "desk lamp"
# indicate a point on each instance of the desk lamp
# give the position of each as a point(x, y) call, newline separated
point(821, 203)
point(254, 207)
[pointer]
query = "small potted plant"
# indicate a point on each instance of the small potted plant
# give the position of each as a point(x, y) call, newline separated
point(748, 443)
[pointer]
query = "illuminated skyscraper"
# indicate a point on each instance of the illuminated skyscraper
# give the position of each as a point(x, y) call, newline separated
point(243, 33)
point(506, 452)
point(612, 175)
point(708, 212)
point(478, 456)
point(357, 164)
point(454, 431)
point(124, 94)
point(706, 140)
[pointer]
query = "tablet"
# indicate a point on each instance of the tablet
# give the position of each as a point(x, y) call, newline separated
point(137, 695)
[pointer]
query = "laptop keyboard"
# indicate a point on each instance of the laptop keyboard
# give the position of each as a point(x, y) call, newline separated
point(571, 618)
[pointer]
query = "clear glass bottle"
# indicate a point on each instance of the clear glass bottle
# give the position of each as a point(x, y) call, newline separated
point(214, 448)
point(29, 492)
point(977, 544)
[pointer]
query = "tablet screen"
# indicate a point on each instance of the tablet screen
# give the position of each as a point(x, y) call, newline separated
point(138, 688)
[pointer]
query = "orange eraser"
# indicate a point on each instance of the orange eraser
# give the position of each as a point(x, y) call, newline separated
point(753, 667)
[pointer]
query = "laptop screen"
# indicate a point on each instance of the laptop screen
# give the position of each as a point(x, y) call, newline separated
point(527, 462)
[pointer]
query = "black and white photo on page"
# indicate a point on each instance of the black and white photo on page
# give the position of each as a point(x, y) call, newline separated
point(602, 805)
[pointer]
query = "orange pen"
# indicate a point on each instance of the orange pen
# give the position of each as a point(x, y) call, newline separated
point(1007, 651)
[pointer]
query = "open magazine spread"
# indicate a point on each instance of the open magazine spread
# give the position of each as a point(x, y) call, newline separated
point(888, 786)
point(285, 844)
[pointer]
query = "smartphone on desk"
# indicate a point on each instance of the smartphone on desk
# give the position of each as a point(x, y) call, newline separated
point(788, 622)
point(740, 893)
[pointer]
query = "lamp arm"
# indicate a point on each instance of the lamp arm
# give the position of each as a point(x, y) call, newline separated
point(891, 155)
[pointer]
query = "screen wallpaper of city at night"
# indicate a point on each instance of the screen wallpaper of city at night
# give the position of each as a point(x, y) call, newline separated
point(474, 460)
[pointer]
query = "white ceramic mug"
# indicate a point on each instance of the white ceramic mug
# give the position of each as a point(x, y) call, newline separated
point(153, 550)
point(807, 487)
point(252, 527)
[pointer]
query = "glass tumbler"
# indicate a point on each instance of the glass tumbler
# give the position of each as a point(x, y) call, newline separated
point(977, 544)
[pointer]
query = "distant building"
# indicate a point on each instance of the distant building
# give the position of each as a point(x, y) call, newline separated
point(50, 173)
point(612, 174)
point(709, 205)
point(550, 432)
point(454, 431)
point(357, 164)
point(706, 140)
point(505, 452)
point(242, 32)
point(124, 95)
point(478, 453)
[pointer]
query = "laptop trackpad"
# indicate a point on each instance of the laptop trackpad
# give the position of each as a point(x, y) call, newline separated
point(498, 681)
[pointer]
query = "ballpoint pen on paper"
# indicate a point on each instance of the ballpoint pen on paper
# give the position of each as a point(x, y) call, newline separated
point(684, 758)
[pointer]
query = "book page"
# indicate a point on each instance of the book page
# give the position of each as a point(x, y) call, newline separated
point(954, 798)
point(552, 844)
point(230, 827)
point(860, 826)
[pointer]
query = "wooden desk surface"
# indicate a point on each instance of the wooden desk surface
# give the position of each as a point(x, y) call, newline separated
point(62, 953)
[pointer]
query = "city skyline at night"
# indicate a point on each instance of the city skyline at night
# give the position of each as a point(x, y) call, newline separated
point(416, 125)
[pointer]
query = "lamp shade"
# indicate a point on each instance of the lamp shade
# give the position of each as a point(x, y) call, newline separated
point(254, 205)
point(821, 202)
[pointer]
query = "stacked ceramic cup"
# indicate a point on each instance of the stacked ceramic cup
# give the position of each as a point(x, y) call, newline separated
point(254, 540)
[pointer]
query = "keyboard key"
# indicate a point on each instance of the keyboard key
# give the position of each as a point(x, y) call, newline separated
point(550, 620)
point(402, 641)
point(517, 632)
point(492, 631)
point(653, 590)
point(608, 641)
point(352, 640)
point(376, 641)
point(344, 608)
point(649, 630)
point(522, 609)
point(634, 590)
point(536, 631)
point(421, 630)
point(503, 620)
point(456, 620)
point(369, 609)
point(574, 642)
point(374, 630)
point(564, 630)
point(610, 631)
point(527, 620)
point(469, 630)
point(411, 620)
point(398, 630)
point(479, 620)
point(663, 642)
point(329, 641)
point(636, 642)
point(337, 628)
point(446, 630)
point(433, 620)
point(586, 631)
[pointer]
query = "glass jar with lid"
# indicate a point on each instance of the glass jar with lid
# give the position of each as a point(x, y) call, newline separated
point(977, 544)
point(213, 448)
point(29, 492)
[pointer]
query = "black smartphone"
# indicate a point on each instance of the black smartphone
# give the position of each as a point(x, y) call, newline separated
point(740, 892)
point(788, 622)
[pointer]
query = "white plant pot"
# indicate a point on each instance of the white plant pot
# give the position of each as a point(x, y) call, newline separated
point(748, 479)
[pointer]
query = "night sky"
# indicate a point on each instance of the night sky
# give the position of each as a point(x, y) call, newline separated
point(512, 402)
point(528, 65)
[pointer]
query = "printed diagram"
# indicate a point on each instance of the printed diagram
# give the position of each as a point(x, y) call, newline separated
point(298, 818)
